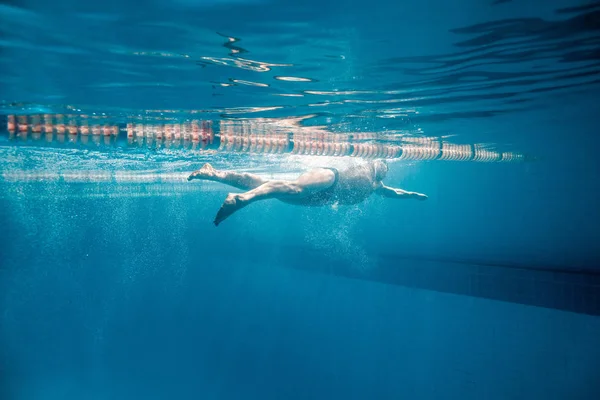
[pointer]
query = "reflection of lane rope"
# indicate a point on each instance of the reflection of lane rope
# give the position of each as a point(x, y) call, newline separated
point(100, 176)
point(240, 136)
point(93, 176)
point(90, 188)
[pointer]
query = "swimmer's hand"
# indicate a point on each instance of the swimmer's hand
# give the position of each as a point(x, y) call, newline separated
point(399, 193)
point(418, 196)
point(411, 195)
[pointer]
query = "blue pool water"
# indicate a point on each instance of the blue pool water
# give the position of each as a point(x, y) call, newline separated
point(115, 284)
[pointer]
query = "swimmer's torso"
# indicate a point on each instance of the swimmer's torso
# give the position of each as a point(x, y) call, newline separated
point(352, 186)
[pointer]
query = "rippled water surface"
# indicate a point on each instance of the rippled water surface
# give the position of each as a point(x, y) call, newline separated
point(351, 66)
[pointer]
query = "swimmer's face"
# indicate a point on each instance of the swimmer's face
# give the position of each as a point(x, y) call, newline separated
point(381, 170)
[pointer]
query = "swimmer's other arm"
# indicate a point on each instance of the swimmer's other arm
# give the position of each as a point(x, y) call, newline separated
point(394, 193)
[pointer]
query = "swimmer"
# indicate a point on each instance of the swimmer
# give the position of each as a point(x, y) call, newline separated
point(317, 187)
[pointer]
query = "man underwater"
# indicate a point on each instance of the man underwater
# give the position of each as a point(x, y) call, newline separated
point(317, 187)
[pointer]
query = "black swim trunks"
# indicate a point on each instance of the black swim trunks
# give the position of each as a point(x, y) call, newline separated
point(328, 195)
point(325, 196)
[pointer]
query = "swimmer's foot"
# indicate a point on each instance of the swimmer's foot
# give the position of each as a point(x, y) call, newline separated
point(232, 203)
point(206, 172)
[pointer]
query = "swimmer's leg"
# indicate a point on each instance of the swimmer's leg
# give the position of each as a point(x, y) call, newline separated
point(308, 183)
point(243, 180)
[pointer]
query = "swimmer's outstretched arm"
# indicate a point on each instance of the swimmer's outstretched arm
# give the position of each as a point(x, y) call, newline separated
point(394, 193)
